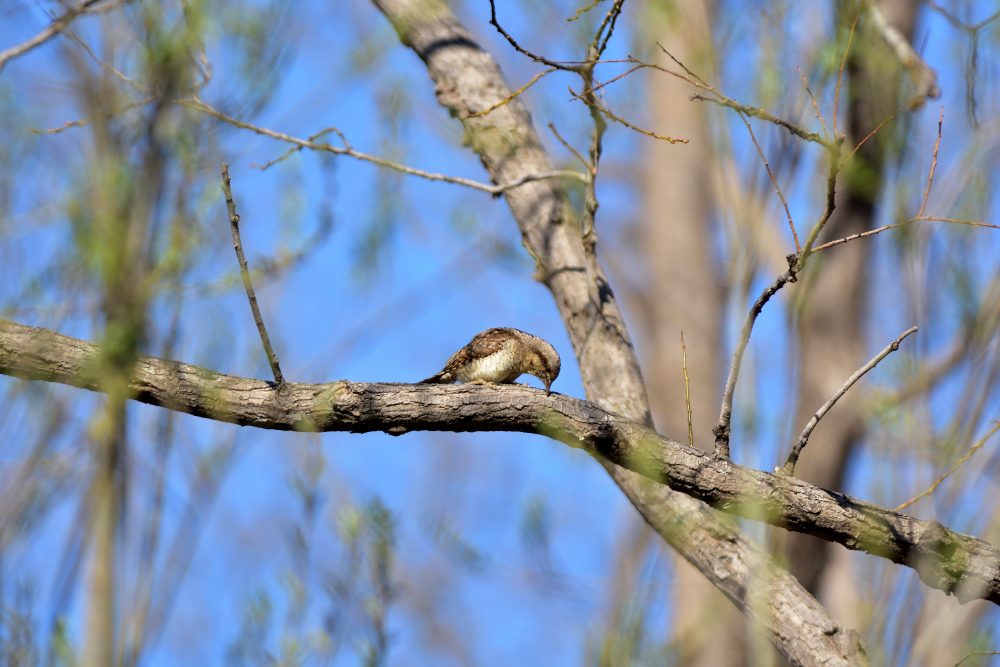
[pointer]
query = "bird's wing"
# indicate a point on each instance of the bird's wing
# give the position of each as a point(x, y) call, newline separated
point(482, 344)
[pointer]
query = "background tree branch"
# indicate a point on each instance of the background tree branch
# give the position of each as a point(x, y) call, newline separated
point(58, 24)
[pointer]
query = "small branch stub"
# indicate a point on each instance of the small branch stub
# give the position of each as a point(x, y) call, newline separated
point(234, 223)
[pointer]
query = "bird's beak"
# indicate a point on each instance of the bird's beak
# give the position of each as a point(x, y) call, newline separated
point(548, 384)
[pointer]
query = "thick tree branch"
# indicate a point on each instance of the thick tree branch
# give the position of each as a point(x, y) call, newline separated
point(950, 561)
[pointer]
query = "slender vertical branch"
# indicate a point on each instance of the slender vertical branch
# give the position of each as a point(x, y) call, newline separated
point(687, 390)
point(774, 180)
point(813, 98)
point(234, 223)
point(722, 429)
point(840, 75)
point(831, 203)
point(930, 176)
point(793, 456)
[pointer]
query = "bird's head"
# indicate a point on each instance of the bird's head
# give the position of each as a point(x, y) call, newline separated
point(543, 362)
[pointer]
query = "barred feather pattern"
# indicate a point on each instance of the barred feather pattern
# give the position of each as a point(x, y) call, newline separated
point(500, 356)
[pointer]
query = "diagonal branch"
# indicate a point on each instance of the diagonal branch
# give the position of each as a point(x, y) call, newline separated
point(924, 77)
point(953, 562)
point(494, 190)
point(234, 224)
point(793, 456)
point(722, 429)
point(58, 24)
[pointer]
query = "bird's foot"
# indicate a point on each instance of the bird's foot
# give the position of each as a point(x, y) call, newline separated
point(485, 382)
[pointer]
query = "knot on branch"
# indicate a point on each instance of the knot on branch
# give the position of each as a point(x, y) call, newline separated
point(721, 432)
point(793, 266)
point(940, 559)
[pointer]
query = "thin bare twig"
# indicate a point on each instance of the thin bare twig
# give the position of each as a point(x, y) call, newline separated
point(930, 176)
point(291, 151)
point(793, 456)
point(813, 98)
point(796, 263)
point(569, 147)
point(538, 59)
point(951, 18)
point(840, 75)
point(757, 112)
point(972, 32)
point(494, 190)
point(700, 82)
point(973, 223)
point(774, 180)
point(831, 204)
point(84, 121)
point(722, 429)
point(118, 73)
point(871, 232)
point(872, 134)
point(725, 101)
point(57, 26)
point(955, 467)
point(591, 203)
point(514, 94)
point(206, 64)
point(972, 654)
point(583, 10)
point(609, 22)
point(234, 223)
point(687, 390)
point(620, 76)
point(607, 112)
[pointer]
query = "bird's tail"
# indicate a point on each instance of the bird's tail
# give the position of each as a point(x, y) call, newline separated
point(435, 379)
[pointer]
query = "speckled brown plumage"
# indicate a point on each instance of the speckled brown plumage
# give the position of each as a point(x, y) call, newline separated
point(500, 355)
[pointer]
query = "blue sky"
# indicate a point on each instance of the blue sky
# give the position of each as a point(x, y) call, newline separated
point(439, 282)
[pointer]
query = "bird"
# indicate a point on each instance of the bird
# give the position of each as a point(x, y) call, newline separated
point(500, 356)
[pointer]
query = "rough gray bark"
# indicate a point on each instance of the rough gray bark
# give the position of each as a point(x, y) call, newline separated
point(953, 562)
